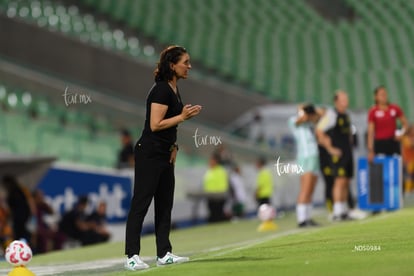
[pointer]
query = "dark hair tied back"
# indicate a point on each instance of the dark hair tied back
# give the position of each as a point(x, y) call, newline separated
point(171, 54)
point(309, 109)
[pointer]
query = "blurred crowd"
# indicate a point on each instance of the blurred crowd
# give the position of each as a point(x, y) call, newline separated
point(26, 215)
point(329, 134)
point(225, 190)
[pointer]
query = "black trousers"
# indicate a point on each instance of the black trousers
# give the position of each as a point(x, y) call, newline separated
point(154, 178)
point(20, 230)
point(215, 208)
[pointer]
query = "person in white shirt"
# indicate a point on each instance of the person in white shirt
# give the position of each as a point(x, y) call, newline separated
point(307, 158)
point(238, 191)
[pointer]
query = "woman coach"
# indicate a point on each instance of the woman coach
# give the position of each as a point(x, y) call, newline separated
point(155, 154)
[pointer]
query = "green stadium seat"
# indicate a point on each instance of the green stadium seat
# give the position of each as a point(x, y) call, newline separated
point(135, 16)
point(106, 6)
point(85, 138)
point(119, 9)
point(272, 47)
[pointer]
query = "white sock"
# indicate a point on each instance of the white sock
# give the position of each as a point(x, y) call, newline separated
point(337, 209)
point(301, 212)
point(308, 211)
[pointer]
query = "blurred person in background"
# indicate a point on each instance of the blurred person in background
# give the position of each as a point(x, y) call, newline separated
point(126, 154)
point(307, 157)
point(47, 237)
point(238, 191)
point(22, 208)
point(328, 178)
point(224, 154)
point(326, 171)
point(264, 182)
point(75, 225)
point(334, 133)
point(98, 217)
point(155, 155)
point(6, 232)
point(256, 134)
point(216, 187)
point(407, 145)
point(382, 137)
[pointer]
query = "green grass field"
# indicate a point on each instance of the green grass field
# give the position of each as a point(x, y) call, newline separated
point(380, 245)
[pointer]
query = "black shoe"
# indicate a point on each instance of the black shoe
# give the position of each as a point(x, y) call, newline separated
point(311, 222)
point(346, 217)
point(303, 224)
point(343, 217)
point(308, 223)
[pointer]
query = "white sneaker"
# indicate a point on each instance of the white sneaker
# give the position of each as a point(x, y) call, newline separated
point(135, 263)
point(170, 258)
point(358, 214)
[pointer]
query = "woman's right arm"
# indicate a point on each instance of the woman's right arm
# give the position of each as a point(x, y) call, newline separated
point(158, 111)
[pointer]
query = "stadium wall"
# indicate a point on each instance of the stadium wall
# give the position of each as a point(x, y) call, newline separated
point(63, 184)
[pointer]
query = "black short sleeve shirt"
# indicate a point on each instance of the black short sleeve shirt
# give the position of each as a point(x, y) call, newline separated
point(162, 93)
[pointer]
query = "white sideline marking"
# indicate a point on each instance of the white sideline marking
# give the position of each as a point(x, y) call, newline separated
point(246, 244)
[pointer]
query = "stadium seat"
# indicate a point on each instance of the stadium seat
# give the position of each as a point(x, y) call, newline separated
point(51, 128)
point(284, 50)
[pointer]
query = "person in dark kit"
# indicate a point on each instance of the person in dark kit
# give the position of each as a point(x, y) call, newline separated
point(126, 154)
point(335, 135)
point(98, 217)
point(76, 226)
point(326, 171)
point(21, 206)
point(47, 238)
point(155, 154)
